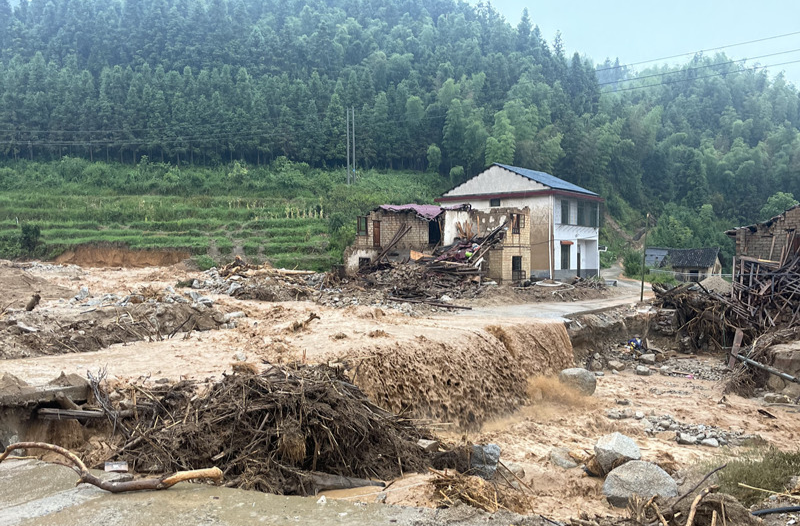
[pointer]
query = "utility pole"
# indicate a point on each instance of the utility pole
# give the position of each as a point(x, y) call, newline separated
point(347, 118)
point(353, 109)
point(644, 251)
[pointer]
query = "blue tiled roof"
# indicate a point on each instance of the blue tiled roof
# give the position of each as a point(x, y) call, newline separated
point(546, 179)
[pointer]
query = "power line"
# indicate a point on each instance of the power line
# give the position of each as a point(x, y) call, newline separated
point(701, 51)
point(697, 68)
point(754, 68)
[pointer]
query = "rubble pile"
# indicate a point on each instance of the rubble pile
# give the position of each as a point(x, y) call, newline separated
point(86, 323)
point(287, 431)
point(685, 434)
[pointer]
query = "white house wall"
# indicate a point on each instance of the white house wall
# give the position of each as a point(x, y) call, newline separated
point(496, 180)
point(451, 217)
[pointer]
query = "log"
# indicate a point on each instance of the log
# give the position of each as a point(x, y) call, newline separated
point(51, 413)
point(86, 477)
point(770, 370)
point(326, 481)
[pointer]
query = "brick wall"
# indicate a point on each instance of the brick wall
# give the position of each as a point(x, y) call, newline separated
point(390, 224)
point(768, 239)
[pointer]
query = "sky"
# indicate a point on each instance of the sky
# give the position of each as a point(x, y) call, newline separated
point(640, 30)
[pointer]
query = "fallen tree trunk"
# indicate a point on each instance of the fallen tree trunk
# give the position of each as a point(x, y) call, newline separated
point(111, 486)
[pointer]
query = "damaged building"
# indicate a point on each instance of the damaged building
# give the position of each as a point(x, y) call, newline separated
point(769, 240)
point(564, 218)
point(413, 231)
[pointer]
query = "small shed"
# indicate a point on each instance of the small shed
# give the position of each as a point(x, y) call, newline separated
point(693, 264)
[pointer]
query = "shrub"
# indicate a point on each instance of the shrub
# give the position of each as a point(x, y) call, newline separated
point(632, 263)
point(29, 237)
point(765, 468)
point(204, 262)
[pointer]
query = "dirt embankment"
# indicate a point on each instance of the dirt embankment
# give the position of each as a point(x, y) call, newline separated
point(466, 381)
point(99, 256)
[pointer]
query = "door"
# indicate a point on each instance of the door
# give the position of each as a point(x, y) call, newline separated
point(376, 233)
point(565, 257)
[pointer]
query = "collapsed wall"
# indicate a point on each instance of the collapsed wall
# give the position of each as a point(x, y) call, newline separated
point(464, 381)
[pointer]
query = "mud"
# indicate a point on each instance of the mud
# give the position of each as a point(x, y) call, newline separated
point(61, 330)
point(110, 256)
point(19, 286)
point(480, 375)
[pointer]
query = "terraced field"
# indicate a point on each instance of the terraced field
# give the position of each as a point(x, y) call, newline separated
point(286, 233)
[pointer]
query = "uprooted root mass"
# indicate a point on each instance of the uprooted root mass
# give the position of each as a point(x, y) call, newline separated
point(272, 432)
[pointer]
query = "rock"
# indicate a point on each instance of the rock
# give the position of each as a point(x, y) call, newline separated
point(431, 446)
point(641, 370)
point(233, 316)
point(614, 449)
point(240, 356)
point(82, 294)
point(623, 401)
point(640, 478)
point(579, 379)
point(686, 439)
point(792, 391)
point(638, 415)
point(616, 365)
point(710, 442)
point(445, 298)
point(599, 374)
point(484, 459)
point(596, 365)
point(560, 457)
point(665, 370)
point(775, 398)
point(648, 358)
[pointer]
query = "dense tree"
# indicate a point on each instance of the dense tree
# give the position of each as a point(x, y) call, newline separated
point(435, 84)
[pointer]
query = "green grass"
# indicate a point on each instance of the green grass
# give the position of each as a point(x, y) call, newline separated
point(765, 468)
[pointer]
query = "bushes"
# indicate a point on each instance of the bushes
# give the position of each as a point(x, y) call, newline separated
point(632, 263)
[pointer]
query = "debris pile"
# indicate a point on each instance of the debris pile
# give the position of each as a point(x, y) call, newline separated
point(286, 431)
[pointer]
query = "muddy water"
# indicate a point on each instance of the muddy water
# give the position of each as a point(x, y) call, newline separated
point(479, 374)
point(108, 256)
point(37, 494)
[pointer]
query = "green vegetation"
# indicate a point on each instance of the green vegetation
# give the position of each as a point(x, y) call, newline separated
point(247, 98)
point(765, 468)
point(305, 224)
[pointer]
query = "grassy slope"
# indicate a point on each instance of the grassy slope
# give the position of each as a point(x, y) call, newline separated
point(288, 214)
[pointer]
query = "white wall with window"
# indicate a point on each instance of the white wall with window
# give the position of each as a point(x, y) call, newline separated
point(576, 236)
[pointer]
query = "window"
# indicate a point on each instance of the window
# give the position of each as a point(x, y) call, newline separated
point(564, 212)
point(517, 274)
point(361, 230)
point(581, 213)
point(494, 202)
point(593, 216)
point(565, 257)
point(517, 222)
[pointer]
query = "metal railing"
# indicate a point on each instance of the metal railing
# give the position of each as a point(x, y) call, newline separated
point(518, 275)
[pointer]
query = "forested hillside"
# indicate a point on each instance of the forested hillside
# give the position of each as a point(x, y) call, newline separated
point(436, 85)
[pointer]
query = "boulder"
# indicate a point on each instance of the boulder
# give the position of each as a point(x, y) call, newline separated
point(483, 461)
point(561, 458)
point(641, 370)
point(638, 478)
point(615, 449)
point(648, 358)
point(579, 379)
point(616, 365)
point(686, 439)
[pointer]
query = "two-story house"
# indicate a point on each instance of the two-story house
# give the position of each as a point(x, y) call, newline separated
point(564, 218)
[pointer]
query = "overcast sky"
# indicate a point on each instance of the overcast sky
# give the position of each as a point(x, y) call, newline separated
point(638, 30)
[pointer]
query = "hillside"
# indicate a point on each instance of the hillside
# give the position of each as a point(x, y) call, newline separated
point(436, 86)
